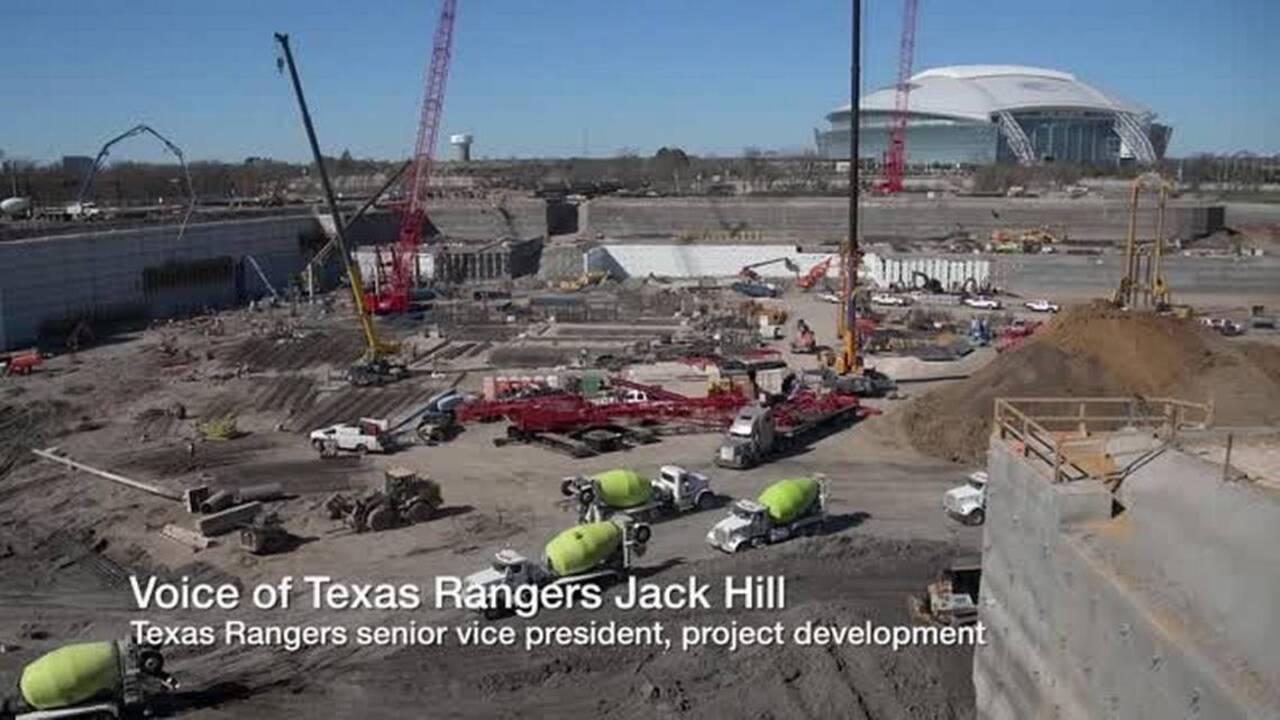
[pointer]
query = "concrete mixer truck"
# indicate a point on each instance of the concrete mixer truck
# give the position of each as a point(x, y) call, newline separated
point(787, 508)
point(95, 679)
point(675, 490)
point(591, 552)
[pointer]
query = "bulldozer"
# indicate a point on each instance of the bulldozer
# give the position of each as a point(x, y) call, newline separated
point(404, 499)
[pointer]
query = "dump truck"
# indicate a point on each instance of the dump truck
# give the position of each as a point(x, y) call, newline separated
point(755, 435)
point(952, 599)
point(404, 499)
point(590, 552)
point(93, 679)
point(675, 490)
point(787, 508)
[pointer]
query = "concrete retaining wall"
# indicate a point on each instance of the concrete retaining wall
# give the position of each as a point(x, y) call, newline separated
point(485, 220)
point(1138, 616)
point(47, 282)
point(811, 220)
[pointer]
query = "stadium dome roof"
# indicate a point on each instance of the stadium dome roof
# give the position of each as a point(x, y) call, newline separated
point(975, 92)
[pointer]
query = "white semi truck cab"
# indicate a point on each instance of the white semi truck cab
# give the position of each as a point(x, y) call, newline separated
point(511, 568)
point(750, 524)
point(675, 490)
point(683, 490)
point(968, 503)
point(595, 559)
point(751, 438)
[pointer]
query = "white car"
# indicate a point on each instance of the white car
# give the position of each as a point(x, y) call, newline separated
point(968, 503)
point(830, 297)
point(1041, 306)
point(886, 299)
point(982, 303)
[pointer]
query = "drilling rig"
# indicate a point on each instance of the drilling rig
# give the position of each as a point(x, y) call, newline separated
point(847, 360)
point(850, 375)
point(1143, 282)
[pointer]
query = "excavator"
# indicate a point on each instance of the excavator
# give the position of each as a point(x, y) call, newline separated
point(926, 283)
point(748, 272)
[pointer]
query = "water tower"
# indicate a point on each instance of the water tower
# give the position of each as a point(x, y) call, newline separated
point(460, 147)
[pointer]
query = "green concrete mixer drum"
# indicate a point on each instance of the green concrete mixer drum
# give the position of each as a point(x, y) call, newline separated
point(582, 547)
point(789, 499)
point(71, 675)
point(623, 488)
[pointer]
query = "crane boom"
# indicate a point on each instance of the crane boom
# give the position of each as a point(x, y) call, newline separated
point(895, 163)
point(375, 347)
point(134, 131)
point(848, 361)
point(395, 297)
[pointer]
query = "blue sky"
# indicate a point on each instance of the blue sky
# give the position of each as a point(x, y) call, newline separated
point(548, 77)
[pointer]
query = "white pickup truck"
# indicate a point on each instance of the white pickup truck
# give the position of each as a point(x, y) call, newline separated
point(1041, 306)
point(369, 435)
point(968, 503)
point(982, 303)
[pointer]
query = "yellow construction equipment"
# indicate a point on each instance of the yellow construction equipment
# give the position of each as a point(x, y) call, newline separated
point(847, 360)
point(1143, 280)
point(584, 281)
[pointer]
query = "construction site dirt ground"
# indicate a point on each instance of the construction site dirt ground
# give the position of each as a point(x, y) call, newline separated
point(69, 541)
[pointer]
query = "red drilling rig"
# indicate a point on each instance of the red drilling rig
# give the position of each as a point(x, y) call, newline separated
point(895, 156)
point(395, 283)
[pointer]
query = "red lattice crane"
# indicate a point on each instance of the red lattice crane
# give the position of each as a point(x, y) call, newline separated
point(396, 285)
point(895, 156)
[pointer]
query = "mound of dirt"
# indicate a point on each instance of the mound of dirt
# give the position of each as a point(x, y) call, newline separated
point(1097, 350)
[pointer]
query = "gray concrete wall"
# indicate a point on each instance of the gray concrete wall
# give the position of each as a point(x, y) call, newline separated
point(817, 220)
point(100, 275)
point(1166, 610)
point(485, 220)
point(1098, 276)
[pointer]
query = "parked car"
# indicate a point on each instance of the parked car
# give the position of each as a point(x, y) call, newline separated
point(1041, 306)
point(887, 299)
point(1223, 325)
point(982, 303)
